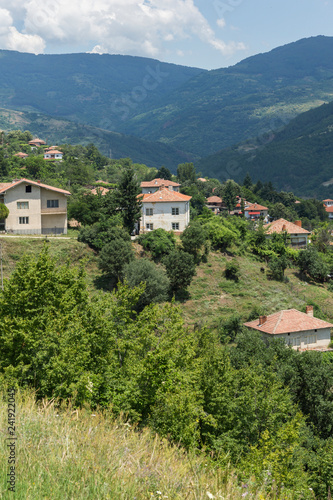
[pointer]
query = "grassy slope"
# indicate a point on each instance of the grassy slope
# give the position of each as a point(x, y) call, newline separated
point(85, 455)
point(211, 296)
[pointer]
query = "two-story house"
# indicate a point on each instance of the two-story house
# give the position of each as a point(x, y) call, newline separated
point(34, 208)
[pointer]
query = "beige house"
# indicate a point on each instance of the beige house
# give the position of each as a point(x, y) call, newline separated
point(300, 330)
point(254, 211)
point(34, 208)
point(53, 154)
point(165, 208)
point(298, 235)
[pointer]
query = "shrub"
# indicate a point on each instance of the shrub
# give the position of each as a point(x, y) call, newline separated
point(193, 240)
point(159, 242)
point(180, 268)
point(99, 234)
point(114, 256)
point(232, 271)
point(154, 277)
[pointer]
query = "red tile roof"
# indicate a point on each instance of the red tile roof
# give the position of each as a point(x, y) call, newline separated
point(283, 225)
point(21, 155)
point(163, 195)
point(214, 199)
point(53, 152)
point(254, 207)
point(8, 185)
point(101, 190)
point(158, 183)
point(328, 199)
point(35, 141)
point(288, 321)
point(329, 209)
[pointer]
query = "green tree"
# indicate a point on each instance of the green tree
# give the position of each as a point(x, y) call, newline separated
point(159, 242)
point(277, 266)
point(164, 173)
point(4, 211)
point(114, 256)
point(186, 173)
point(247, 182)
point(154, 278)
point(126, 196)
point(180, 268)
point(193, 240)
point(232, 270)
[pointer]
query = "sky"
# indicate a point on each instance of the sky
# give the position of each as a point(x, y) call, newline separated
point(207, 34)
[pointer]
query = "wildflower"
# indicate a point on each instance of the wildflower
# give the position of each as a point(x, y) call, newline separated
point(158, 492)
point(210, 495)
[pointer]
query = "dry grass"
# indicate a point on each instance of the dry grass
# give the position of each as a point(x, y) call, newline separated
point(67, 454)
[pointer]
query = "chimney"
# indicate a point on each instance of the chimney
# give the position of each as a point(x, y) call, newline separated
point(284, 227)
point(262, 320)
point(38, 181)
point(298, 223)
point(309, 311)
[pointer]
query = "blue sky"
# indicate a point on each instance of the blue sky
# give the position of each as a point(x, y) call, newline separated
point(207, 34)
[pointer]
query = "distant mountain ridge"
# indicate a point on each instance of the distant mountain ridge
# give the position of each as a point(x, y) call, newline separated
point(298, 158)
point(185, 112)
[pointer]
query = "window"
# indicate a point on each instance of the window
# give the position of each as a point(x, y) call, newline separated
point(149, 211)
point(149, 227)
point(28, 189)
point(22, 204)
point(175, 226)
point(175, 211)
point(52, 203)
point(23, 220)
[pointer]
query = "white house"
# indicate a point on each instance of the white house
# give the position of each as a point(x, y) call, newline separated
point(53, 154)
point(34, 208)
point(300, 330)
point(297, 234)
point(155, 184)
point(254, 211)
point(166, 209)
point(328, 204)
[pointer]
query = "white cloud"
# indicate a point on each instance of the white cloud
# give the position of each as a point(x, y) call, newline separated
point(12, 39)
point(137, 27)
point(221, 23)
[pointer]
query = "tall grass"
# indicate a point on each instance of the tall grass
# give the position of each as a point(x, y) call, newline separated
point(65, 454)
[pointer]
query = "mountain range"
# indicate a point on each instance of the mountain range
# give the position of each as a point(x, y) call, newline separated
point(161, 113)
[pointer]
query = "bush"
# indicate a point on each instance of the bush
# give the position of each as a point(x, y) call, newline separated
point(101, 233)
point(114, 256)
point(159, 242)
point(154, 277)
point(277, 266)
point(232, 271)
point(180, 268)
point(193, 240)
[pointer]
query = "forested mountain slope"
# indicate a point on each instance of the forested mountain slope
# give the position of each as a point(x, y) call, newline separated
point(299, 158)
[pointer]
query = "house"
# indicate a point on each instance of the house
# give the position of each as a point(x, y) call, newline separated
point(155, 184)
point(165, 208)
point(254, 211)
point(34, 208)
point(21, 155)
point(298, 236)
point(37, 142)
point(328, 204)
point(99, 190)
point(300, 330)
point(53, 154)
point(214, 203)
point(202, 179)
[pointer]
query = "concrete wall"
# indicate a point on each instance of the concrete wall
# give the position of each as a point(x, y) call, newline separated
point(17, 194)
point(41, 219)
point(162, 215)
point(305, 340)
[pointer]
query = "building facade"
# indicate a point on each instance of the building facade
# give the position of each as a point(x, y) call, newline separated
point(166, 209)
point(34, 208)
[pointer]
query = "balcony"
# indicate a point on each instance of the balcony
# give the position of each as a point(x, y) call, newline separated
point(54, 211)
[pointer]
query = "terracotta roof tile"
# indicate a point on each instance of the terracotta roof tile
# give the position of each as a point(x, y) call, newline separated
point(8, 185)
point(162, 195)
point(288, 321)
point(283, 225)
point(255, 207)
point(214, 199)
point(158, 183)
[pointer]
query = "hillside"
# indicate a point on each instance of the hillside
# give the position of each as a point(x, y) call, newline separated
point(116, 145)
point(219, 108)
point(99, 90)
point(298, 158)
